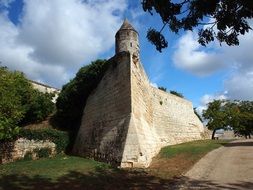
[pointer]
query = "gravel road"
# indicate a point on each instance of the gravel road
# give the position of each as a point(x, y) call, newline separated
point(228, 167)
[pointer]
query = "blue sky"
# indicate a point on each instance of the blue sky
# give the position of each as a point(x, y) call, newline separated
point(49, 40)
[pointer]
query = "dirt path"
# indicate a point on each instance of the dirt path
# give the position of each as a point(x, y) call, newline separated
point(229, 167)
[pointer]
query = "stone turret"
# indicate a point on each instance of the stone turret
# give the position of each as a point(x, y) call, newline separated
point(127, 39)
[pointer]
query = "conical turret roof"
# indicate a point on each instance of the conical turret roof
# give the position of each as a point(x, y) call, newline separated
point(126, 26)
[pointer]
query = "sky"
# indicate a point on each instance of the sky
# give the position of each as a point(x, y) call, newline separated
point(49, 40)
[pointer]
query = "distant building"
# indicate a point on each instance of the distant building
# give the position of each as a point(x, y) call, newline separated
point(222, 134)
point(46, 89)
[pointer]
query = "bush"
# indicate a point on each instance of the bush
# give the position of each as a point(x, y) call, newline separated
point(177, 93)
point(39, 107)
point(162, 88)
point(73, 96)
point(43, 152)
point(60, 138)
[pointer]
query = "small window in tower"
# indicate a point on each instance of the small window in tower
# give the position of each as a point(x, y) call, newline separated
point(131, 45)
point(128, 33)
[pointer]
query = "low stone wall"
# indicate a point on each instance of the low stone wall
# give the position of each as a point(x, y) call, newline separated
point(17, 150)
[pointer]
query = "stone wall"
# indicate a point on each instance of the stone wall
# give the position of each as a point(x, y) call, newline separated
point(11, 151)
point(107, 114)
point(126, 121)
point(157, 119)
point(46, 89)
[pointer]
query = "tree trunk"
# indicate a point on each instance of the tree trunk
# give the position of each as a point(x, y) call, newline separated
point(213, 133)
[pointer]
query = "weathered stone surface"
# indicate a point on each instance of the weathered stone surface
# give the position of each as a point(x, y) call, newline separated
point(107, 114)
point(126, 121)
point(11, 151)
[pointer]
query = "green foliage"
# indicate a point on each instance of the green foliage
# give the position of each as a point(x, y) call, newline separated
point(157, 39)
point(224, 20)
point(39, 107)
point(43, 152)
point(60, 138)
point(177, 93)
point(72, 99)
point(20, 103)
point(237, 115)
point(162, 88)
point(216, 116)
point(14, 92)
point(8, 129)
point(240, 116)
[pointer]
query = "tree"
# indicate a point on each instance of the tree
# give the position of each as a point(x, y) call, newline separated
point(73, 96)
point(12, 85)
point(216, 116)
point(17, 103)
point(177, 93)
point(237, 115)
point(224, 20)
point(243, 118)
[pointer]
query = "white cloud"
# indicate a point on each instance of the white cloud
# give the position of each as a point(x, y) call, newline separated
point(190, 57)
point(54, 38)
point(209, 98)
point(238, 60)
point(154, 84)
point(240, 86)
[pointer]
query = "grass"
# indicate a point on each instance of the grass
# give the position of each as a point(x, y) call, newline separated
point(69, 172)
point(192, 149)
point(52, 168)
point(175, 160)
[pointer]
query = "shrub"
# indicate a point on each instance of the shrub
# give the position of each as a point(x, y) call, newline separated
point(162, 88)
point(43, 152)
point(39, 107)
point(177, 93)
point(60, 138)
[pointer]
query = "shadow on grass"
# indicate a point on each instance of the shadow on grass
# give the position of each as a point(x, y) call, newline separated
point(187, 183)
point(243, 143)
point(102, 179)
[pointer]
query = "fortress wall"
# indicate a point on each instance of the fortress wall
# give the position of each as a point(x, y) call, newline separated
point(141, 143)
point(158, 119)
point(126, 121)
point(174, 119)
point(106, 115)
